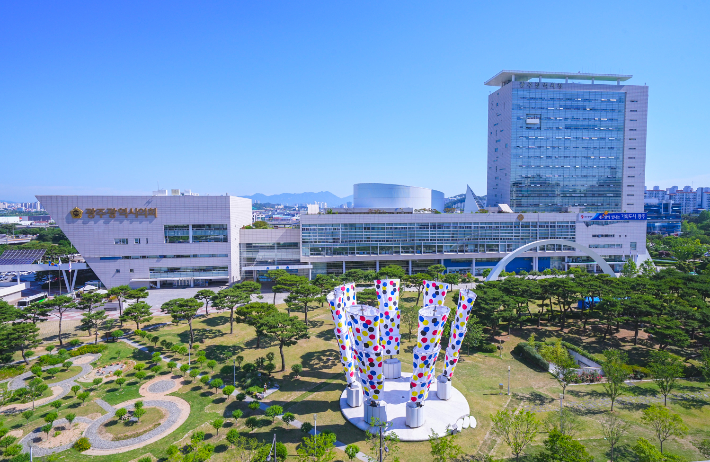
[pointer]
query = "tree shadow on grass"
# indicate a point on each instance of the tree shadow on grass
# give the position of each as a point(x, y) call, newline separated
point(264, 342)
point(328, 335)
point(220, 448)
point(536, 398)
point(318, 364)
point(690, 403)
point(200, 334)
point(216, 321)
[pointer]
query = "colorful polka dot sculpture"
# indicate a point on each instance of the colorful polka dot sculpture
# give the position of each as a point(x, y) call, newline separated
point(458, 331)
point(347, 291)
point(432, 320)
point(343, 335)
point(435, 293)
point(422, 373)
point(388, 300)
point(365, 323)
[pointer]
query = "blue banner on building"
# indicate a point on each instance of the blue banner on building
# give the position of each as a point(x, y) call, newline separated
point(606, 216)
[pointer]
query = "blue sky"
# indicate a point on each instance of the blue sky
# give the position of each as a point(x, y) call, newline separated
point(271, 97)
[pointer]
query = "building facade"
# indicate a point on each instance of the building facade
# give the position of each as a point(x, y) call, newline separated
point(663, 217)
point(334, 243)
point(559, 140)
point(146, 241)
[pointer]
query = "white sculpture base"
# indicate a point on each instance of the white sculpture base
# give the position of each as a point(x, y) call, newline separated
point(443, 388)
point(375, 412)
point(440, 414)
point(392, 368)
point(415, 416)
point(354, 395)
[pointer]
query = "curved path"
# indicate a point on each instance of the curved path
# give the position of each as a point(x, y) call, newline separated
point(59, 389)
point(36, 436)
point(154, 392)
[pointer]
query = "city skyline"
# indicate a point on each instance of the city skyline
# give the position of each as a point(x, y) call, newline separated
point(202, 94)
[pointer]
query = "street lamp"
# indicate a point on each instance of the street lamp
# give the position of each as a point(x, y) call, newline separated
point(273, 449)
point(234, 375)
point(315, 424)
point(508, 380)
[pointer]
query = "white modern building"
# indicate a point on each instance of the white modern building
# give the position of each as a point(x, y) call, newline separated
point(149, 241)
point(559, 140)
point(392, 196)
point(469, 243)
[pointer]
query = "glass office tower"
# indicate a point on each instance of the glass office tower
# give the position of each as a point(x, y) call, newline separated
point(555, 145)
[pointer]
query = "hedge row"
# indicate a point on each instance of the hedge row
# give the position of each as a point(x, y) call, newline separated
point(531, 355)
point(84, 349)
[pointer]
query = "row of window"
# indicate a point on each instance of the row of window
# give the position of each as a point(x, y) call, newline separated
point(605, 246)
point(157, 257)
point(188, 271)
point(191, 234)
point(124, 241)
point(419, 249)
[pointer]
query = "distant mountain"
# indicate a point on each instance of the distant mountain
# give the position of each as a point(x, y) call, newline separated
point(301, 198)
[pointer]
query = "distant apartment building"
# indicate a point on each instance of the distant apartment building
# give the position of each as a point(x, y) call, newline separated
point(690, 201)
point(561, 140)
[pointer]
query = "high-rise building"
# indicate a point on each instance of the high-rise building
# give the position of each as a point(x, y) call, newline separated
point(560, 140)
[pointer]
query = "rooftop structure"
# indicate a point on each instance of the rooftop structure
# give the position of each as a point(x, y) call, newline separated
point(505, 77)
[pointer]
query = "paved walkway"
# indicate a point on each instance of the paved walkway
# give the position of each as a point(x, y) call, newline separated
point(59, 389)
point(36, 436)
point(177, 409)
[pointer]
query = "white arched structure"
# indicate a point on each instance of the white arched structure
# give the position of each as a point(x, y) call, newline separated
point(582, 248)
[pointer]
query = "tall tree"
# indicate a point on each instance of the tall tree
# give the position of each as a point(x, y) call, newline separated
point(664, 423)
point(287, 283)
point(562, 448)
point(183, 309)
point(665, 369)
point(35, 312)
point(325, 283)
point(255, 314)
point(205, 296)
point(615, 372)
point(275, 275)
point(613, 428)
point(90, 302)
point(302, 296)
point(23, 336)
point(238, 294)
point(60, 305)
point(120, 293)
point(93, 320)
point(286, 330)
point(557, 354)
point(516, 429)
point(567, 293)
point(138, 312)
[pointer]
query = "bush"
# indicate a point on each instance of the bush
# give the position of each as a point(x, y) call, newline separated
point(82, 444)
point(531, 355)
point(638, 372)
point(306, 427)
point(51, 360)
point(487, 348)
point(241, 396)
point(254, 390)
point(296, 369)
point(254, 405)
point(21, 458)
point(85, 349)
point(249, 367)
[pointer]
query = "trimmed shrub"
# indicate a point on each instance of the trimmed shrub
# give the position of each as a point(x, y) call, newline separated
point(487, 348)
point(85, 349)
point(531, 355)
point(82, 444)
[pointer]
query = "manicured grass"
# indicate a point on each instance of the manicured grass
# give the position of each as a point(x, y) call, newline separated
point(126, 429)
point(63, 375)
point(318, 389)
